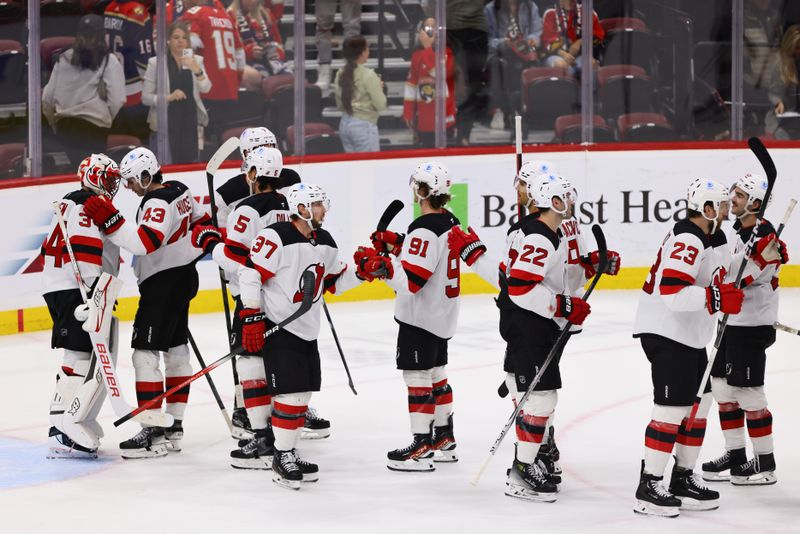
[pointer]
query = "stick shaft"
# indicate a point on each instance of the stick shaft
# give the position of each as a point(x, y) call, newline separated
point(211, 383)
point(339, 348)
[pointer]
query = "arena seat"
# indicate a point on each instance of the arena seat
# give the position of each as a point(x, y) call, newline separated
point(548, 93)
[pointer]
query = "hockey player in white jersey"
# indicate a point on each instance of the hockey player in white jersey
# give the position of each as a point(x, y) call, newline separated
point(426, 278)
point(78, 395)
point(165, 271)
point(738, 373)
point(675, 320)
point(263, 169)
point(270, 285)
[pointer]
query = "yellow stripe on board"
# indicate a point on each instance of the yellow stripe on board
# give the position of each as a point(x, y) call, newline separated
point(208, 300)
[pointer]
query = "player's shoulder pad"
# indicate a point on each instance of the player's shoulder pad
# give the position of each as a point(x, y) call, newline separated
point(537, 228)
point(688, 227)
point(528, 221)
point(78, 197)
point(264, 203)
point(234, 189)
point(323, 237)
point(438, 223)
point(288, 234)
point(171, 190)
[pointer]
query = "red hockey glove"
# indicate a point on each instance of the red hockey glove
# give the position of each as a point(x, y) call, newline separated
point(369, 265)
point(725, 298)
point(573, 309)
point(387, 241)
point(253, 329)
point(591, 262)
point(468, 245)
point(103, 213)
point(765, 251)
point(206, 237)
point(784, 252)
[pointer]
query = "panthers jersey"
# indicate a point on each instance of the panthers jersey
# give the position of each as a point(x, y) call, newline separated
point(129, 34)
point(228, 195)
point(94, 253)
point(535, 270)
point(251, 215)
point(673, 302)
point(161, 238)
point(427, 276)
point(271, 278)
point(760, 306)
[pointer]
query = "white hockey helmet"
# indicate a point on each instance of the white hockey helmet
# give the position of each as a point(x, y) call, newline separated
point(528, 171)
point(755, 187)
point(99, 174)
point(545, 187)
point(140, 165)
point(268, 162)
point(702, 191)
point(306, 195)
point(434, 175)
point(255, 137)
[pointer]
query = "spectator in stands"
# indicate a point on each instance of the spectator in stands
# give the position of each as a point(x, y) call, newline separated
point(263, 47)
point(467, 35)
point(324, 11)
point(561, 37)
point(214, 33)
point(186, 80)
point(85, 92)
point(419, 100)
point(360, 96)
point(129, 31)
point(762, 36)
point(515, 30)
point(784, 88)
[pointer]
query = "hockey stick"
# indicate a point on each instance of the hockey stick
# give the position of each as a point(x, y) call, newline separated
point(391, 211)
point(789, 329)
point(305, 305)
point(518, 150)
point(602, 250)
point(339, 347)
point(211, 383)
point(769, 169)
point(101, 348)
point(211, 170)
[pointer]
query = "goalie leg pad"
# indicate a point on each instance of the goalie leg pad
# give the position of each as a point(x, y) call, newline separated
point(67, 384)
point(77, 420)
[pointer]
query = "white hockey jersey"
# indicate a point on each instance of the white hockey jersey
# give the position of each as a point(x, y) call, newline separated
point(161, 238)
point(427, 276)
point(760, 306)
point(271, 279)
point(673, 302)
point(94, 253)
point(248, 218)
point(535, 270)
point(227, 197)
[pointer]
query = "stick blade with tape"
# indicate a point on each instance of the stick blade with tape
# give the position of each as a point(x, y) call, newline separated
point(602, 247)
point(222, 153)
point(764, 158)
point(395, 207)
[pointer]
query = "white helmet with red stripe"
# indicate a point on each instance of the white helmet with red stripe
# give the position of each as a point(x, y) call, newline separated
point(99, 174)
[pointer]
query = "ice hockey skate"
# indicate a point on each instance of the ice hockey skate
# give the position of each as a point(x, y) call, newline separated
point(718, 469)
point(174, 435)
point(443, 442)
point(418, 456)
point(315, 427)
point(241, 425)
point(549, 453)
point(687, 488)
point(151, 442)
point(61, 447)
point(653, 499)
point(285, 471)
point(255, 453)
point(310, 471)
point(530, 482)
point(760, 471)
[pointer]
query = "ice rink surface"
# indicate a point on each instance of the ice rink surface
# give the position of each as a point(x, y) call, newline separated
point(600, 419)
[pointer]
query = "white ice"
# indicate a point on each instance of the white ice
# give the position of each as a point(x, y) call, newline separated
point(603, 410)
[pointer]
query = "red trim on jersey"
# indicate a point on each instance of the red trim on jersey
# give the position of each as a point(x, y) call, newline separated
point(746, 281)
point(417, 276)
point(673, 281)
point(151, 239)
point(265, 274)
point(236, 251)
point(521, 282)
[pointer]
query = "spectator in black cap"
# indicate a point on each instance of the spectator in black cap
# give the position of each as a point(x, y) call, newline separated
point(85, 92)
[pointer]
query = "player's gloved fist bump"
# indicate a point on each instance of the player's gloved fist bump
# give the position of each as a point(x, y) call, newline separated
point(206, 237)
point(369, 265)
point(387, 241)
point(765, 251)
point(104, 214)
point(253, 329)
point(573, 309)
point(468, 244)
point(614, 261)
point(725, 298)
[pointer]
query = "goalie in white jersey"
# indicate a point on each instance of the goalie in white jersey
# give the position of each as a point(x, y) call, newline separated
point(78, 395)
point(165, 270)
point(271, 291)
point(675, 321)
point(738, 372)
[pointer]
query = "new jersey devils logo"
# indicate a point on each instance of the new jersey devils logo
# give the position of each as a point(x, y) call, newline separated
point(318, 270)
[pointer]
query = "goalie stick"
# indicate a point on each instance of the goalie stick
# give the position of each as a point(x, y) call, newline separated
point(557, 346)
point(765, 159)
point(101, 350)
point(305, 305)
